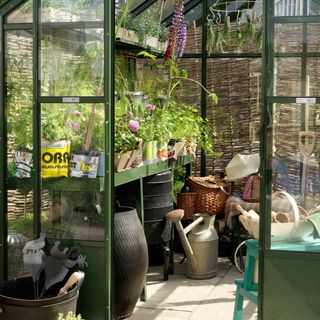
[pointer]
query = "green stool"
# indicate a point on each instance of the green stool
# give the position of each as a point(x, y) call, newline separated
point(246, 288)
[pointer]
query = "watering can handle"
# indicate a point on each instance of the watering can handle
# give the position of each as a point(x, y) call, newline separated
point(76, 277)
point(188, 228)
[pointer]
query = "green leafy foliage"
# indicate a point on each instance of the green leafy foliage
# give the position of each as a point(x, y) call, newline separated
point(147, 54)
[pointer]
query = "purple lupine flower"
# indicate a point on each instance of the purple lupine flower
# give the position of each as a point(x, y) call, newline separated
point(182, 39)
point(134, 125)
point(150, 107)
point(117, 8)
point(129, 115)
point(177, 34)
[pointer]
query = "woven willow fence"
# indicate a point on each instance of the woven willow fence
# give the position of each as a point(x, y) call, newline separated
point(236, 119)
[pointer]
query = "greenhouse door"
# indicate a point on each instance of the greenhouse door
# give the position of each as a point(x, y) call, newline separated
point(56, 146)
point(289, 280)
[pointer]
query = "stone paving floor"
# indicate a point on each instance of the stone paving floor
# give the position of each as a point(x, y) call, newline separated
point(182, 298)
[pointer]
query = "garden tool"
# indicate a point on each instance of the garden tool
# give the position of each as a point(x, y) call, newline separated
point(249, 214)
point(76, 277)
point(307, 143)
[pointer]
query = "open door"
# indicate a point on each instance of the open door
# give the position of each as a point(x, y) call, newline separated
point(289, 279)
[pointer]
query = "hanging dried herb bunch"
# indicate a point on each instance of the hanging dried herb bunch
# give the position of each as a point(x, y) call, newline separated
point(221, 35)
point(250, 29)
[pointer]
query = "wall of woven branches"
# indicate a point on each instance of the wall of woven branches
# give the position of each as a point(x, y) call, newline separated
point(236, 118)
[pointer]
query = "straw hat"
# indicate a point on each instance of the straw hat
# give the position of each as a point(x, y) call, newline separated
point(242, 165)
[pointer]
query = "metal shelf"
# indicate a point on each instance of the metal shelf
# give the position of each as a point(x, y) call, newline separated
point(97, 184)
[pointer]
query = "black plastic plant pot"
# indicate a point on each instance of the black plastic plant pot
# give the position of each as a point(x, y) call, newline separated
point(17, 301)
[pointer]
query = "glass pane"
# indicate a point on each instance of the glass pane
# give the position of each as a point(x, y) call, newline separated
point(23, 14)
point(68, 10)
point(73, 215)
point(313, 69)
point(296, 174)
point(194, 15)
point(287, 79)
point(296, 7)
point(313, 7)
point(169, 7)
point(288, 7)
point(194, 39)
point(20, 229)
point(72, 145)
point(18, 78)
point(288, 37)
point(135, 3)
point(313, 37)
point(71, 62)
point(18, 104)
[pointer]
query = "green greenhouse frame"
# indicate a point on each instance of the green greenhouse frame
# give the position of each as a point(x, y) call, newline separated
point(286, 273)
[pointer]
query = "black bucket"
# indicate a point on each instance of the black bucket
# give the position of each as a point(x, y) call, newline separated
point(17, 301)
point(157, 198)
point(157, 190)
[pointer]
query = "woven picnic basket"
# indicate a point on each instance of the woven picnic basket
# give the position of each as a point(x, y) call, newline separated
point(212, 194)
point(187, 202)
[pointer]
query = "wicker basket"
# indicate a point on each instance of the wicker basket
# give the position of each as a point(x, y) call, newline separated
point(187, 202)
point(212, 194)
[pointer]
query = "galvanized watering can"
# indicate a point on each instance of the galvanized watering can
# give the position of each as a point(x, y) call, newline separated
point(201, 246)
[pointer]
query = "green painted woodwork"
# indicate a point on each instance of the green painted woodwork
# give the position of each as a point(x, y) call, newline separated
point(288, 272)
point(291, 286)
point(97, 184)
point(246, 287)
point(3, 165)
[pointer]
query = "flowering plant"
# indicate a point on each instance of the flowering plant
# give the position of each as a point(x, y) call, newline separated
point(58, 122)
point(147, 122)
point(126, 129)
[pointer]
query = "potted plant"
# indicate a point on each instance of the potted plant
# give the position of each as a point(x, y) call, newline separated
point(147, 132)
point(127, 144)
point(163, 131)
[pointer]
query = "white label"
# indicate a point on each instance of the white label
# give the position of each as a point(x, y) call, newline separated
point(305, 100)
point(70, 99)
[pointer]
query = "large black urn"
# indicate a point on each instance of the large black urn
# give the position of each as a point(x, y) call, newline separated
point(131, 260)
